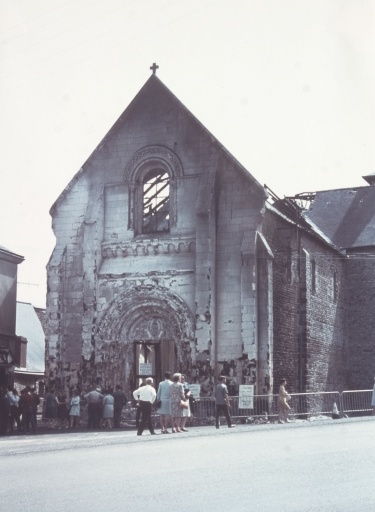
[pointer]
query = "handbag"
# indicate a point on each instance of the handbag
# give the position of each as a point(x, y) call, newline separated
point(184, 405)
point(288, 398)
point(158, 404)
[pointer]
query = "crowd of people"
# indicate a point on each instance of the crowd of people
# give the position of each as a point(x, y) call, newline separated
point(18, 412)
point(103, 408)
point(173, 402)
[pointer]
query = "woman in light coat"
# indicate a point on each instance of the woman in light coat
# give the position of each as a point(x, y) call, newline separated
point(284, 407)
point(75, 409)
point(108, 409)
point(164, 397)
point(177, 394)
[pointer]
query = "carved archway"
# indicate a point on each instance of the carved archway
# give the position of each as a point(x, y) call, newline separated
point(153, 316)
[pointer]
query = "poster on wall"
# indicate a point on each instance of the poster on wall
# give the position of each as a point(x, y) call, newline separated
point(145, 369)
point(246, 396)
point(195, 390)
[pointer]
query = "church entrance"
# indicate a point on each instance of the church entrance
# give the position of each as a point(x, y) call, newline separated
point(145, 332)
point(153, 359)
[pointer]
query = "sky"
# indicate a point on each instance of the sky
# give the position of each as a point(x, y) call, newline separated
point(287, 86)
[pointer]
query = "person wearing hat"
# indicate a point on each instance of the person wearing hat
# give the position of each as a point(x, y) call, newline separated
point(146, 396)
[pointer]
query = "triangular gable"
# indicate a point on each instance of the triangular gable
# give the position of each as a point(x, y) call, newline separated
point(154, 83)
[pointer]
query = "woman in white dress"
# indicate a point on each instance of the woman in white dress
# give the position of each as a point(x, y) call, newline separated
point(186, 413)
point(74, 411)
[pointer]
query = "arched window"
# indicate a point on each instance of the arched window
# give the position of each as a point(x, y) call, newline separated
point(152, 174)
point(156, 203)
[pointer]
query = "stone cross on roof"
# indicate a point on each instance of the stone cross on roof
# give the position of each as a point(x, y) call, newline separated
point(154, 67)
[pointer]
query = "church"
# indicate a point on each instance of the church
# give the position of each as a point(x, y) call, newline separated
point(170, 255)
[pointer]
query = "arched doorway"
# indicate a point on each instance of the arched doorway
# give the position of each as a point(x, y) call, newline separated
point(154, 344)
point(146, 331)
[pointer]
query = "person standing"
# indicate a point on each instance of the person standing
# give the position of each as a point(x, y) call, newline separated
point(74, 411)
point(138, 408)
point(36, 402)
point(62, 410)
point(146, 396)
point(222, 402)
point(51, 408)
point(164, 396)
point(177, 395)
point(108, 409)
point(27, 402)
point(283, 398)
point(4, 411)
point(14, 409)
point(119, 401)
point(94, 399)
point(186, 412)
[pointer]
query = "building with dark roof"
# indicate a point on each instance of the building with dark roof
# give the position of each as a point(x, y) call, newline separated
point(10, 343)
point(29, 326)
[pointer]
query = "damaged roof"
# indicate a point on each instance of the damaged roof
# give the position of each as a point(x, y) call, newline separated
point(345, 216)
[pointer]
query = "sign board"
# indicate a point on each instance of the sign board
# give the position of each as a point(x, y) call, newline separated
point(246, 396)
point(145, 369)
point(195, 390)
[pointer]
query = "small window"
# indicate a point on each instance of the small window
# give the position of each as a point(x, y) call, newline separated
point(313, 276)
point(334, 286)
point(289, 264)
point(155, 218)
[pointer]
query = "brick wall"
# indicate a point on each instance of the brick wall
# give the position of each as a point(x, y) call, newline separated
point(310, 330)
point(361, 319)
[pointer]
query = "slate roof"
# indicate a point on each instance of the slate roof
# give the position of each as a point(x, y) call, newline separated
point(29, 326)
point(346, 216)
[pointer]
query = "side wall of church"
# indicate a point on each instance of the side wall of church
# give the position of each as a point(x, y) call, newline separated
point(239, 214)
point(310, 335)
point(361, 319)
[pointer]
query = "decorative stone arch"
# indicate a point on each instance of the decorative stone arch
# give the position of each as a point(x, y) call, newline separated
point(143, 314)
point(156, 154)
point(143, 161)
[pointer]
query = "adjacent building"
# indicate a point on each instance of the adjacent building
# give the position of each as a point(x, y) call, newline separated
point(12, 347)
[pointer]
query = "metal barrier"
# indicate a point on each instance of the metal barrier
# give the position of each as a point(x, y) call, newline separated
point(265, 407)
point(305, 405)
point(356, 401)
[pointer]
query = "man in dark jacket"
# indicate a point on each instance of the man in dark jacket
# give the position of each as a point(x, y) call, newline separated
point(222, 402)
point(119, 402)
point(4, 412)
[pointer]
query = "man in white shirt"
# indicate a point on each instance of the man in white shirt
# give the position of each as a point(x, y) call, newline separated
point(146, 396)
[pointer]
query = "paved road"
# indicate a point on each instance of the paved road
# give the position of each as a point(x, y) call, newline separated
point(320, 466)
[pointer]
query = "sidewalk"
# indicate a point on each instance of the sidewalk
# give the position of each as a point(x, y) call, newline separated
point(43, 429)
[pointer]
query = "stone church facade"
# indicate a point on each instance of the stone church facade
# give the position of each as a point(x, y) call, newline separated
point(171, 256)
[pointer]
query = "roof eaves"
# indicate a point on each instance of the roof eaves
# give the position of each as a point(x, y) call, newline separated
point(314, 230)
